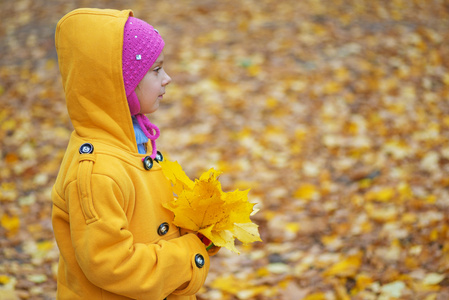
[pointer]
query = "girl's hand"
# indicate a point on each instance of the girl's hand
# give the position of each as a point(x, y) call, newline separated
point(210, 247)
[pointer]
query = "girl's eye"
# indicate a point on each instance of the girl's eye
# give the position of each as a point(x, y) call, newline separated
point(157, 69)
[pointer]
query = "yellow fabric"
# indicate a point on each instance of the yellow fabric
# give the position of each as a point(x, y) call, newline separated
point(106, 207)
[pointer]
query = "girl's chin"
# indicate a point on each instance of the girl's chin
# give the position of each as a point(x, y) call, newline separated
point(151, 109)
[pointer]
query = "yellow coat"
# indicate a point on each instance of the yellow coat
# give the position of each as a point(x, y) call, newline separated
point(108, 219)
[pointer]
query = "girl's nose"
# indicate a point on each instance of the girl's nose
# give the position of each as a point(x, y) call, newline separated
point(166, 80)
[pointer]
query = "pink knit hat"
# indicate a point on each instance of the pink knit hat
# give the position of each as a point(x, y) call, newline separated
point(142, 45)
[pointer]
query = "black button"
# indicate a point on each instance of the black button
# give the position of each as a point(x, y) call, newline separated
point(199, 261)
point(159, 157)
point(163, 228)
point(147, 163)
point(86, 148)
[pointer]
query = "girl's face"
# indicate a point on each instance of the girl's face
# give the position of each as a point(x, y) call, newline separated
point(151, 89)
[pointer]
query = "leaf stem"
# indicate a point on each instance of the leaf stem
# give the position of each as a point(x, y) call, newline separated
point(210, 246)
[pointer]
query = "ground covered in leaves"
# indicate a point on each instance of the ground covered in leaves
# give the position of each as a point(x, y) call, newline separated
point(334, 113)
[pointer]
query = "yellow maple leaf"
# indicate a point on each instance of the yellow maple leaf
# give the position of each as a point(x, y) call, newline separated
point(316, 296)
point(11, 224)
point(347, 267)
point(4, 279)
point(229, 284)
point(174, 172)
point(433, 279)
point(382, 195)
point(306, 191)
point(247, 232)
point(202, 206)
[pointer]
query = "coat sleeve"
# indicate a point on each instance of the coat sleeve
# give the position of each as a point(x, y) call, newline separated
point(109, 258)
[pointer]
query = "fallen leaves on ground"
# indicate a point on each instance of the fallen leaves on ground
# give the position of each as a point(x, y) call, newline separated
point(333, 113)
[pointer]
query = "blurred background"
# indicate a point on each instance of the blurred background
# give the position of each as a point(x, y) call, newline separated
point(333, 113)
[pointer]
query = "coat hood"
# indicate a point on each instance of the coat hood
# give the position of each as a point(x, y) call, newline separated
point(89, 44)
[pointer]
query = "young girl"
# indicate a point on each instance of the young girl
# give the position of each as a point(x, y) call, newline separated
point(115, 238)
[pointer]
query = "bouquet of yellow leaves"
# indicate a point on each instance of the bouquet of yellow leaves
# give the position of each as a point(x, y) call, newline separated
point(203, 207)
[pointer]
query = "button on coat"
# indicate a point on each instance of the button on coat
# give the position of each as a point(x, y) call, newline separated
point(199, 260)
point(147, 163)
point(163, 229)
point(159, 157)
point(86, 148)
